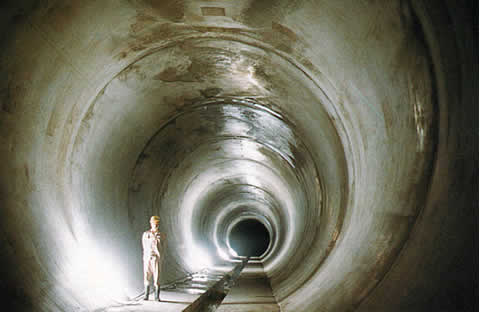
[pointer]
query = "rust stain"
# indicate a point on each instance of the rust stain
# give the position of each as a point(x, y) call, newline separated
point(168, 75)
point(171, 10)
point(154, 35)
point(135, 47)
point(162, 31)
point(142, 20)
point(171, 74)
point(285, 31)
point(122, 55)
point(124, 75)
point(142, 17)
point(281, 37)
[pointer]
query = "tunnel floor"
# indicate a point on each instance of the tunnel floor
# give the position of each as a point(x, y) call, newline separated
point(250, 293)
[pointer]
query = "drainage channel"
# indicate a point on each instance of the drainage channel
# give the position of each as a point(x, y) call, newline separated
point(213, 297)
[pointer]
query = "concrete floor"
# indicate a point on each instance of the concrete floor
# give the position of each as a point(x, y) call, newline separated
point(150, 306)
point(249, 294)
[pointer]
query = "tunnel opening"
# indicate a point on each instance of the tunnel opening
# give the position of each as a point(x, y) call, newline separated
point(249, 238)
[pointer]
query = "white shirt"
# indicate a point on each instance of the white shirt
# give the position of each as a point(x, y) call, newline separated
point(152, 244)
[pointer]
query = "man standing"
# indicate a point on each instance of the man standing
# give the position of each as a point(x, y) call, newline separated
point(153, 243)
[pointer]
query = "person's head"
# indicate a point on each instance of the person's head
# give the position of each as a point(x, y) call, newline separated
point(154, 222)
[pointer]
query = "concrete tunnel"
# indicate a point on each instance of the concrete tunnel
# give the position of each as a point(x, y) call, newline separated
point(343, 132)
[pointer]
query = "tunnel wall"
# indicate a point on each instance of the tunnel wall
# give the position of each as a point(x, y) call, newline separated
point(440, 259)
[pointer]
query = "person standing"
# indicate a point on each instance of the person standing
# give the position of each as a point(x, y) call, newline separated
point(154, 244)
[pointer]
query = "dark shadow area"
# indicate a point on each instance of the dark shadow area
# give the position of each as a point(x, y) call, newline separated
point(249, 238)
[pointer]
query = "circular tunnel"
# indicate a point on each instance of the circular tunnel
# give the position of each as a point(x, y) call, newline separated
point(249, 238)
point(333, 142)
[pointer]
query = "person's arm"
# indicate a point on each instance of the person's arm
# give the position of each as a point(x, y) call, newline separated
point(163, 242)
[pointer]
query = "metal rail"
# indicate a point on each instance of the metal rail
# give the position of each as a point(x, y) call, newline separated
point(213, 297)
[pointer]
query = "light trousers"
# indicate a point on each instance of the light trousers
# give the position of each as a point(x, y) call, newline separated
point(151, 270)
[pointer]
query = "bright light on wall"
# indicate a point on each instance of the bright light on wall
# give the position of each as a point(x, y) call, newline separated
point(232, 252)
point(92, 269)
point(198, 258)
point(223, 254)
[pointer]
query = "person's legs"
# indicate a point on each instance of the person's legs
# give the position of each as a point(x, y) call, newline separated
point(147, 272)
point(156, 276)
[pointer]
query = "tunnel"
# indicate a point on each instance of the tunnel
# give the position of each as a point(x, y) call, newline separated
point(249, 238)
point(335, 143)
